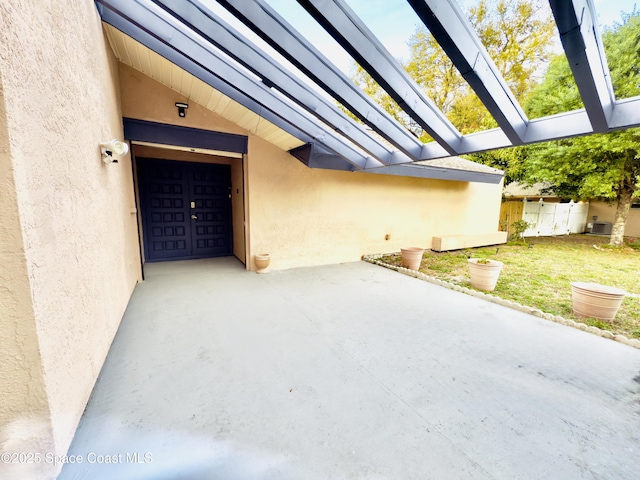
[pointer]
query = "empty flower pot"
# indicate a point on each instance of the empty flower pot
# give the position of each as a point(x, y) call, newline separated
point(596, 301)
point(262, 262)
point(411, 257)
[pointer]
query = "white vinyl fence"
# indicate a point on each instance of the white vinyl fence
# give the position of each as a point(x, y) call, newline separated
point(554, 218)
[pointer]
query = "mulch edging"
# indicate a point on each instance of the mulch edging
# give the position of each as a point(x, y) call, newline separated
point(375, 259)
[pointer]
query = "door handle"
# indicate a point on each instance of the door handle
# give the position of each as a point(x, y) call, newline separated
point(195, 217)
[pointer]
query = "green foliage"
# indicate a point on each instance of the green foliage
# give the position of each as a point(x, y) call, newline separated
point(520, 226)
point(634, 243)
point(557, 92)
point(518, 36)
point(510, 160)
point(482, 261)
point(603, 166)
point(382, 98)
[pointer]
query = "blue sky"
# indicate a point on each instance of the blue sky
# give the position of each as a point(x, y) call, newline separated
point(609, 10)
point(393, 22)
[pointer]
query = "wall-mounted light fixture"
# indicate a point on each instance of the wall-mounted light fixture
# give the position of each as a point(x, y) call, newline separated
point(182, 109)
point(113, 149)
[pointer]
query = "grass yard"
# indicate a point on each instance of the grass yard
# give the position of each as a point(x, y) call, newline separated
point(539, 273)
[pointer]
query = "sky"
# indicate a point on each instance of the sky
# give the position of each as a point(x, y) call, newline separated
point(393, 22)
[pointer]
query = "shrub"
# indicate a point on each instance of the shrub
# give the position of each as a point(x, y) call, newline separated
point(520, 227)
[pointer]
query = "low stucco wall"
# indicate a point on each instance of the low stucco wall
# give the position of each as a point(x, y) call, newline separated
point(71, 233)
point(303, 216)
point(607, 213)
point(306, 217)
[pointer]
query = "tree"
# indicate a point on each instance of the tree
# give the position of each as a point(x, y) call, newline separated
point(605, 166)
point(382, 98)
point(518, 36)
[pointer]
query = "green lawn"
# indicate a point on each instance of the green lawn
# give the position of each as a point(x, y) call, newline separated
point(539, 274)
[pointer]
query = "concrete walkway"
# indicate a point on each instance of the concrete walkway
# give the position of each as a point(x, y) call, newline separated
point(351, 372)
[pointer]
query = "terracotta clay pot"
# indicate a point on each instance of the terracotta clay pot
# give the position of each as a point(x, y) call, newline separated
point(411, 257)
point(262, 262)
point(596, 301)
point(484, 276)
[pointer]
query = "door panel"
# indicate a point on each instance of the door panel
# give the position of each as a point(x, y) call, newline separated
point(210, 193)
point(163, 188)
point(186, 209)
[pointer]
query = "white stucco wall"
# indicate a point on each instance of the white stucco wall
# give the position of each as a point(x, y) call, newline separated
point(79, 241)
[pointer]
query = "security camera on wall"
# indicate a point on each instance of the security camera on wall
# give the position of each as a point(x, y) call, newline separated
point(112, 150)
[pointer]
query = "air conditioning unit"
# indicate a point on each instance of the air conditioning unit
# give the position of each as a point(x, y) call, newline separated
point(601, 228)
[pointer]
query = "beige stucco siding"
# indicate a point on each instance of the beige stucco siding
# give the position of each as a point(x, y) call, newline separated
point(24, 409)
point(607, 213)
point(146, 99)
point(303, 216)
point(60, 85)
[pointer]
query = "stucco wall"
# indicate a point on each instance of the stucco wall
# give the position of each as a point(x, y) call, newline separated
point(607, 213)
point(305, 216)
point(24, 410)
point(78, 231)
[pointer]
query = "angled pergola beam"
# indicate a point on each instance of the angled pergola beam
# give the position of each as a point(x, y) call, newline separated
point(353, 35)
point(153, 27)
point(578, 27)
point(446, 22)
point(280, 35)
point(329, 144)
point(199, 17)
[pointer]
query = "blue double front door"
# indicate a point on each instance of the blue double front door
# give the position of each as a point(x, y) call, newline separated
point(186, 209)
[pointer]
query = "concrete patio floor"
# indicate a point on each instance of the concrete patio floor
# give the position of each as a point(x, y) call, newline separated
point(351, 371)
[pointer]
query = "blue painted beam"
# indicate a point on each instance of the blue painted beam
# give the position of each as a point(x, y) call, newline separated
point(154, 132)
point(314, 157)
point(447, 23)
point(354, 36)
point(291, 44)
point(163, 34)
point(151, 26)
point(199, 17)
point(309, 157)
point(626, 114)
point(578, 27)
